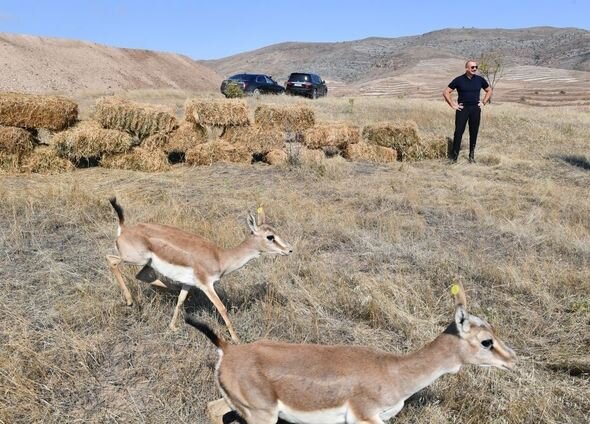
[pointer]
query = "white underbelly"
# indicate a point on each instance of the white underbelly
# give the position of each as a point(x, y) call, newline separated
point(338, 415)
point(181, 274)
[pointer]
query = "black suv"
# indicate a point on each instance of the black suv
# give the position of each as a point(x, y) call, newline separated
point(310, 85)
point(252, 84)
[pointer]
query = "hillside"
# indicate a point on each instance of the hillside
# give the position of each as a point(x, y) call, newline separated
point(544, 66)
point(354, 61)
point(39, 65)
point(538, 61)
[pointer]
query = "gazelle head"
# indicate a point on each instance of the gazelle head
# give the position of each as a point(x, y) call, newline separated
point(267, 240)
point(479, 345)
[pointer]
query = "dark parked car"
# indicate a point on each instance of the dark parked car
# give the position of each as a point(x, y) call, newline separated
point(252, 84)
point(305, 84)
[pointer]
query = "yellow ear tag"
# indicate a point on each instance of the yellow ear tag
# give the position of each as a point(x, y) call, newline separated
point(259, 210)
point(455, 289)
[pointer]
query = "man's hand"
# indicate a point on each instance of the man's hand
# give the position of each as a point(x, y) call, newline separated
point(458, 106)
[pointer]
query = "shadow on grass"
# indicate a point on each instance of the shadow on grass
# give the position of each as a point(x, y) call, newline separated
point(576, 160)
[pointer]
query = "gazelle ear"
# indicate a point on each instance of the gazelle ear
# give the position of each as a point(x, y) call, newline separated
point(260, 216)
point(461, 315)
point(462, 319)
point(251, 221)
point(458, 293)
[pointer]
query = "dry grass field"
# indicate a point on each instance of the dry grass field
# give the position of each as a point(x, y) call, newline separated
point(376, 248)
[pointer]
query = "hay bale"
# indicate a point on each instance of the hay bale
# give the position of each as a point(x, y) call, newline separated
point(309, 156)
point(89, 140)
point(276, 157)
point(156, 141)
point(255, 138)
point(37, 111)
point(287, 118)
point(141, 120)
point(9, 162)
point(217, 151)
point(437, 146)
point(429, 147)
point(220, 113)
point(138, 159)
point(185, 137)
point(45, 160)
point(337, 135)
point(16, 140)
point(369, 152)
point(396, 136)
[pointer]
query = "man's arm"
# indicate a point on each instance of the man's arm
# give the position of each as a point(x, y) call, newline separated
point(487, 96)
point(447, 95)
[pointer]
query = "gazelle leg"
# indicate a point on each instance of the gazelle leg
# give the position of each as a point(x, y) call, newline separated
point(114, 262)
point(181, 298)
point(212, 295)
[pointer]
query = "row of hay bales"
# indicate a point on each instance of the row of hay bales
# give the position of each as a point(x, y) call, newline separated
point(130, 135)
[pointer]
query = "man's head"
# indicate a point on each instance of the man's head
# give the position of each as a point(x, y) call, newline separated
point(471, 67)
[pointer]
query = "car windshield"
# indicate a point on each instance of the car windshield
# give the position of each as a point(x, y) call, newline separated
point(299, 77)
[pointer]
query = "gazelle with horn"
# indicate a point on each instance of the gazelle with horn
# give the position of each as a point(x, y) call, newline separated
point(188, 258)
point(305, 383)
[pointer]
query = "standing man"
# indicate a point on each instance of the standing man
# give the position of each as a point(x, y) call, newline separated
point(468, 106)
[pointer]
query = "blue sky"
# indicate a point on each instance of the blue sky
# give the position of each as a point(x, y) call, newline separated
point(214, 29)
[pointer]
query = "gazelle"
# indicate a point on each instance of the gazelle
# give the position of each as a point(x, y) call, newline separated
point(188, 258)
point(319, 384)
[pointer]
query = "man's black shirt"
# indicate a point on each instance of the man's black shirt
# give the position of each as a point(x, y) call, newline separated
point(468, 89)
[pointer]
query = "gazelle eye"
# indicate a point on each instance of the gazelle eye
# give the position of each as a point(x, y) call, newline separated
point(270, 238)
point(487, 343)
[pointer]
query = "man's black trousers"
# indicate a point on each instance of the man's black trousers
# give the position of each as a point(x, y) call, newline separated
point(471, 114)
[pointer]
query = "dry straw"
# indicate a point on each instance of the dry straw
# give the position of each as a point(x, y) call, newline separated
point(217, 151)
point(44, 160)
point(9, 162)
point(138, 159)
point(309, 156)
point(36, 111)
point(276, 157)
point(337, 135)
point(185, 137)
point(369, 152)
point(397, 136)
point(16, 140)
point(217, 113)
point(141, 120)
point(89, 140)
point(255, 138)
point(287, 118)
point(430, 147)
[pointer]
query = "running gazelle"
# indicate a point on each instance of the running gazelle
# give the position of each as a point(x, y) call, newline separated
point(320, 384)
point(188, 258)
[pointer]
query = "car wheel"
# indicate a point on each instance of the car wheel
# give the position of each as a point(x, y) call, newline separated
point(314, 93)
point(256, 92)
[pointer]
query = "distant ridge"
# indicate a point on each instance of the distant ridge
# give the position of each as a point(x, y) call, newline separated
point(353, 61)
point(544, 65)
